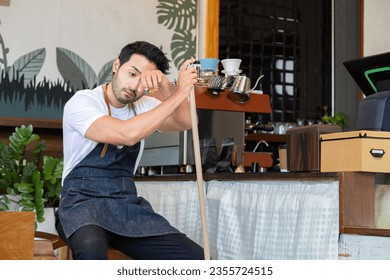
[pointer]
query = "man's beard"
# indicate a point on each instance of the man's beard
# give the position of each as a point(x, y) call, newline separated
point(129, 97)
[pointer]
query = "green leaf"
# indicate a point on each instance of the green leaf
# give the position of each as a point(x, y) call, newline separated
point(11, 190)
point(27, 196)
point(39, 192)
point(23, 187)
point(27, 208)
point(3, 206)
point(36, 177)
point(40, 219)
point(6, 199)
point(27, 204)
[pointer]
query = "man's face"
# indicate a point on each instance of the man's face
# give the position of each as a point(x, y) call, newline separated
point(126, 80)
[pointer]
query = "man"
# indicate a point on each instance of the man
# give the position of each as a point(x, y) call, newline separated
point(103, 132)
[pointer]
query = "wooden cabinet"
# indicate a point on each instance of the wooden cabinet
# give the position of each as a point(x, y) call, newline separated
point(357, 202)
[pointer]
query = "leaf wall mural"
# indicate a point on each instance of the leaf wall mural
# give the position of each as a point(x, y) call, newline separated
point(22, 96)
point(4, 51)
point(28, 65)
point(183, 47)
point(105, 74)
point(75, 70)
point(180, 16)
point(177, 15)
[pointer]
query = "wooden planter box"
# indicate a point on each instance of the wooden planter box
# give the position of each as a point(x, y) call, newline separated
point(17, 235)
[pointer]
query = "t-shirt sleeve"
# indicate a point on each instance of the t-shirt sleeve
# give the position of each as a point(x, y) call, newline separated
point(82, 110)
point(147, 103)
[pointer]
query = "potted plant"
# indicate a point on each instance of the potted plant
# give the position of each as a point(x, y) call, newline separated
point(337, 119)
point(32, 181)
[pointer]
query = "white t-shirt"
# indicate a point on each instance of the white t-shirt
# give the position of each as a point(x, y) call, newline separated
point(85, 107)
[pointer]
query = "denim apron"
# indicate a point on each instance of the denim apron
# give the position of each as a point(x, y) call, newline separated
point(101, 191)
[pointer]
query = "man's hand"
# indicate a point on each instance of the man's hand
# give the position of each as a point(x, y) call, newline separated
point(187, 77)
point(152, 81)
point(157, 83)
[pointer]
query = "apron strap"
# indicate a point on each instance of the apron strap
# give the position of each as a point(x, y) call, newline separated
point(105, 147)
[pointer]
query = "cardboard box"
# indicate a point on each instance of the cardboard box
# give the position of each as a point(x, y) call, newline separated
point(303, 146)
point(361, 150)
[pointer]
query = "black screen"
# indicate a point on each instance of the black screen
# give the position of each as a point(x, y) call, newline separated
point(371, 73)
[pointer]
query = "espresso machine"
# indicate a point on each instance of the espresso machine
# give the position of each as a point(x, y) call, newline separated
point(168, 153)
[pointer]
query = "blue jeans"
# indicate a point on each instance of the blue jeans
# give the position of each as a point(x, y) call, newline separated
point(92, 243)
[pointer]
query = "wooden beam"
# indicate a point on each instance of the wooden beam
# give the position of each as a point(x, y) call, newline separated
point(43, 123)
point(212, 29)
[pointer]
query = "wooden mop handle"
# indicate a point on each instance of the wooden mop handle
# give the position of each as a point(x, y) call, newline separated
point(199, 176)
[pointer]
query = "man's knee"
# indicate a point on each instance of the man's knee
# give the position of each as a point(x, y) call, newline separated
point(87, 244)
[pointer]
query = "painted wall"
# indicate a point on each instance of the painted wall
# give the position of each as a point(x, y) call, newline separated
point(376, 27)
point(51, 42)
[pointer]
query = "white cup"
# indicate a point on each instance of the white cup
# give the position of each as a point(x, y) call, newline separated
point(231, 65)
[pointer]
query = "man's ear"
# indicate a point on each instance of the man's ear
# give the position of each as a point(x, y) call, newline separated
point(115, 66)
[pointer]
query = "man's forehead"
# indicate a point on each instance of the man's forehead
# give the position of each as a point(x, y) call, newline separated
point(140, 64)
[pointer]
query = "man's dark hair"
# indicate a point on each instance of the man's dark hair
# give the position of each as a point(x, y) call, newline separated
point(148, 50)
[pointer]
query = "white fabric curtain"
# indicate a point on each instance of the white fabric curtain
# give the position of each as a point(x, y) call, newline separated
point(177, 202)
point(275, 219)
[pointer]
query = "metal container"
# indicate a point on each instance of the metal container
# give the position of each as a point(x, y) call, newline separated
point(240, 90)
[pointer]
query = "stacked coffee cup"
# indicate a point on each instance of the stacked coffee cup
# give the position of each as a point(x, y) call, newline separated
point(231, 69)
point(231, 66)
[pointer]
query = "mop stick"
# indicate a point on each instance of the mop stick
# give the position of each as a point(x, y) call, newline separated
point(199, 175)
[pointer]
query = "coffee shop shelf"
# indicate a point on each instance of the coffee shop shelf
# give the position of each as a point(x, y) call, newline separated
point(205, 99)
